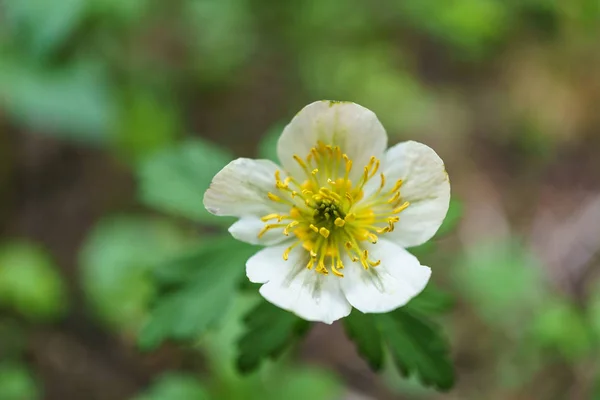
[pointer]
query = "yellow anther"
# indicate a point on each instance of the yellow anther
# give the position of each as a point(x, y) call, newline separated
point(310, 264)
point(333, 215)
point(292, 224)
point(274, 197)
point(397, 186)
point(395, 198)
point(372, 237)
point(266, 229)
point(383, 230)
point(402, 207)
point(381, 186)
point(336, 272)
point(299, 161)
point(270, 217)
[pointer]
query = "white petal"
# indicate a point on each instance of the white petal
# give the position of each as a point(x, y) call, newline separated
point(241, 189)
point(354, 128)
point(291, 286)
point(426, 186)
point(246, 229)
point(390, 285)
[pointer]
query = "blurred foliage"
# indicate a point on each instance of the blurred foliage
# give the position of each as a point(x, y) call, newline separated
point(499, 277)
point(174, 386)
point(269, 331)
point(133, 78)
point(16, 383)
point(197, 287)
point(30, 283)
point(116, 265)
point(174, 180)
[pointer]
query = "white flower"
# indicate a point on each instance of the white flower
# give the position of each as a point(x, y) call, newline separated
point(337, 216)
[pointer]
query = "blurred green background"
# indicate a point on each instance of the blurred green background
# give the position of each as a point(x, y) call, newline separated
point(115, 115)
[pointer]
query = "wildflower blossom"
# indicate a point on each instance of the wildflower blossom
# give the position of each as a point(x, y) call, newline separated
point(337, 215)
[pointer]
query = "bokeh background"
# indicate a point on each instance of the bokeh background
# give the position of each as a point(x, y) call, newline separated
point(115, 115)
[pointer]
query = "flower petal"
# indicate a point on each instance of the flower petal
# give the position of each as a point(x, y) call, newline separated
point(241, 188)
point(426, 187)
point(354, 128)
point(291, 286)
point(390, 285)
point(246, 229)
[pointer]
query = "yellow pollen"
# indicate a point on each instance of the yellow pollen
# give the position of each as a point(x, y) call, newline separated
point(274, 197)
point(331, 218)
point(270, 217)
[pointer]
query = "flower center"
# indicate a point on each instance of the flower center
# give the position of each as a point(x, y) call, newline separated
point(329, 215)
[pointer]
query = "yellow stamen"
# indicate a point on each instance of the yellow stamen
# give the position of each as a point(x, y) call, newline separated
point(329, 216)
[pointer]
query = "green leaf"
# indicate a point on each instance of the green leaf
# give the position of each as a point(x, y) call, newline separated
point(116, 262)
point(431, 301)
point(269, 331)
point(16, 383)
point(43, 25)
point(197, 288)
point(175, 386)
point(593, 310)
point(305, 383)
point(267, 147)
point(148, 122)
point(224, 35)
point(174, 180)
point(596, 393)
point(562, 327)
point(30, 282)
point(13, 339)
point(418, 348)
point(502, 281)
point(365, 334)
point(72, 103)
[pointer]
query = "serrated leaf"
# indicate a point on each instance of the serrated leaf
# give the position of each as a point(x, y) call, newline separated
point(197, 288)
point(364, 333)
point(174, 180)
point(418, 348)
point(269, 331)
